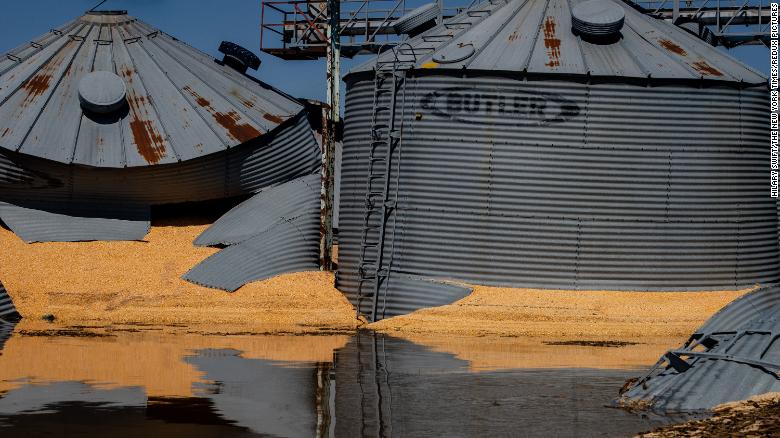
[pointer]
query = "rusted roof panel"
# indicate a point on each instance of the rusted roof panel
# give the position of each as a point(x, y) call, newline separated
point(536, 37)
point(181, 104)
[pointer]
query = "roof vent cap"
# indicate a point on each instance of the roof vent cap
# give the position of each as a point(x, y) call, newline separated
point(238, 57)
point(102, 92)
point(597, 18)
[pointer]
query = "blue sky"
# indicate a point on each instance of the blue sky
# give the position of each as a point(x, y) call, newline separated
point(204, 24)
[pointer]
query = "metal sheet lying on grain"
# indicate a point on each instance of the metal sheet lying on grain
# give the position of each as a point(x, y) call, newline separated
point(276, 231)
point(288, 246)
point(535, 37)
point(8, 313)
point(734, 356)
point(73, 222)
point(261, 212)
point(404, 294)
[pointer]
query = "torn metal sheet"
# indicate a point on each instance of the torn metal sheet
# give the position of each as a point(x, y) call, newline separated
point(734, 356)
point(8, 313)
point(401, 294)
point(263, 211)
point(73, 222)
point(288, 246)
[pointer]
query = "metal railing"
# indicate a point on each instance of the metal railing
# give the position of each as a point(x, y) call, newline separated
point(733, 22)
point(299, 26)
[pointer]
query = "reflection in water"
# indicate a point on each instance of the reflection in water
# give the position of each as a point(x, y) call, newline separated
point(146, 383)
point(6, 329)
point(264, 396)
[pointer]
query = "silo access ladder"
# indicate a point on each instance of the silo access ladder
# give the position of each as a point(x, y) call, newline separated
point(385, 148)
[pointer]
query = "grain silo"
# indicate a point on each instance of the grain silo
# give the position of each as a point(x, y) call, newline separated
point(553, 144)
point(106, 116)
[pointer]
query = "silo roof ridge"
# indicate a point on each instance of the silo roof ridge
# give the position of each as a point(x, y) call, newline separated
point(536, 37)
point(181, 103)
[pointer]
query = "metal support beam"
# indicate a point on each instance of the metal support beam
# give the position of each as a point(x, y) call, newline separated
point(333, 77)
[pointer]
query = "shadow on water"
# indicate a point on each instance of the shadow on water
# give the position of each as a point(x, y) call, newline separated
point(374, 386)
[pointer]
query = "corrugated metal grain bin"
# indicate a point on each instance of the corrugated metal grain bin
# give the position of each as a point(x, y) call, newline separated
point(105, 116)
point(526, 152)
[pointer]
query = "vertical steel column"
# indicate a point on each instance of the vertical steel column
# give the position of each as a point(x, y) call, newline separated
point(333, 76)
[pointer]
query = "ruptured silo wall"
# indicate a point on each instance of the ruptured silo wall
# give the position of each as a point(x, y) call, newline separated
point(288, 153)
point(559, 184)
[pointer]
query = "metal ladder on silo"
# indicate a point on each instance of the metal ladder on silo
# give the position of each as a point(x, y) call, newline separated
point(385, 141)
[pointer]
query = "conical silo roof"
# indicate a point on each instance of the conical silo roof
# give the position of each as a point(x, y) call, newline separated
point(175, 103)
point(536, 37)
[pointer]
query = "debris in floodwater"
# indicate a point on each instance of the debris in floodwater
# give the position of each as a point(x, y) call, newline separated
point(593, 343)
point(734, 356)
point(754, 417)
point(65, 333)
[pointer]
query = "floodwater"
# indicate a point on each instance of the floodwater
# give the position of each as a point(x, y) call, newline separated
point(148, 382)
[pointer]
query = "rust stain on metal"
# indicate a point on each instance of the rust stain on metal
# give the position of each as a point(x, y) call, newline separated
point(241, 132)
point(40, 82)
point(672, 47)
point(149, 143)
point(704, 68)
point(273, 118)
point(36, 86)
point(249, 103)
point(551, 43)
point(128, 74)
point(514, 36)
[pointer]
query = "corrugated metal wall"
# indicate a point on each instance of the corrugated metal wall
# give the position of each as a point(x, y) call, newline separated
point(275, 232)
point(290, 153)
point(558, 184)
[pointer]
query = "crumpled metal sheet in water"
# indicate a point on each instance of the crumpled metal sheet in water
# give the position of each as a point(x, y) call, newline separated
point(733, 356)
